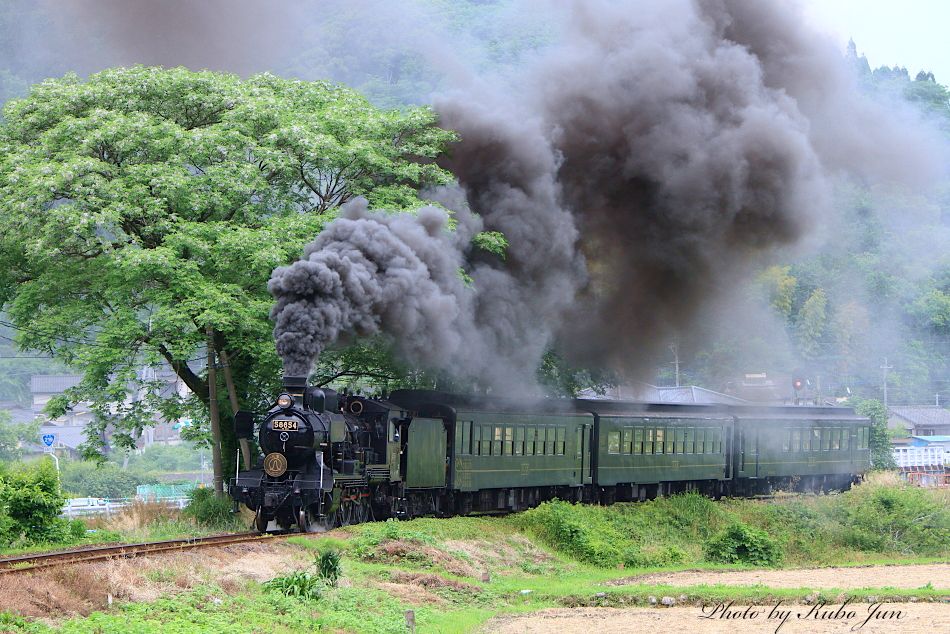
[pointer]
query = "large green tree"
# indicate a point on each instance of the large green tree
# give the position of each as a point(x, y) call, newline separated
point(143, 210)
point(14, 435)
point(878, 442)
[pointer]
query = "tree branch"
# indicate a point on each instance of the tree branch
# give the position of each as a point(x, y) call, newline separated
point(192, 380)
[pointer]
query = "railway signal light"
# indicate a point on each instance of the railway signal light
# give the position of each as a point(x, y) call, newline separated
point(798, 384)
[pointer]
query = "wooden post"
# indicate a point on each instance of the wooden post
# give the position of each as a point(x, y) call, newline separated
point(215, 417)
point(232, 396)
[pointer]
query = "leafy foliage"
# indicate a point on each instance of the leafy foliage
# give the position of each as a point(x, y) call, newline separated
point(210, 511)
point(779, 287)
point(168, 197)
point(579, 534)
point(900, 518)
point(741, 544)
point(14, 435)
point(30, 504)
point(308, 584)
point(561, 378)
point(329, 566)
point(107, 480)
point(300, 584)
point(491, 242)
point(883, 516)
point(879, 441)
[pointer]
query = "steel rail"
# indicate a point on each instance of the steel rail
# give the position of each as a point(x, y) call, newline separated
point(33, 561)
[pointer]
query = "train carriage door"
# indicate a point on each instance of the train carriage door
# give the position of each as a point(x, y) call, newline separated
point(755, 450)
point(585, 445)
point(748, 466)
point(425, 453)
point(741, 449)
point(727, 448)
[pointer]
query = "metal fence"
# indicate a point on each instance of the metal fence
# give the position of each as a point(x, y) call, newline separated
point(81, 507)
point(920, 457)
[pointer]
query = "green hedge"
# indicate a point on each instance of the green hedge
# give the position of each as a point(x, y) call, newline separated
point(30, 504)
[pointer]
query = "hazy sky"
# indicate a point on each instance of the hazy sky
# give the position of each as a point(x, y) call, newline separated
point(911, 33)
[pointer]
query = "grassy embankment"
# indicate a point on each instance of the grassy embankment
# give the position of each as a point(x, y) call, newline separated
point(457, 573)
point(140, 522)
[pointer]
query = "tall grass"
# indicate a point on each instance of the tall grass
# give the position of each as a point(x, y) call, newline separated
point(883, 517)
point(212, 511)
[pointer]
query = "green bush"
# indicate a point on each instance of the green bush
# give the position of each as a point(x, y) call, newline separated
point(210, 510)
point(895, 517)
point(577, 530)
point(328, 567)
point(742, 544)
point(879, 441)
point(77, 530)
point(655, 556)
point(166, 459)
point(30, 497)
point(302, 584)
point(88, 479)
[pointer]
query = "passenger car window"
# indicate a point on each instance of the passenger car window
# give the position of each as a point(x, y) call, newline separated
point(613, 442)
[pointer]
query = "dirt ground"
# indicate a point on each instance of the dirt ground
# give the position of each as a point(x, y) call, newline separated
point(895, 617)
point(844, 578)
point(83, 588)
point(891, 617)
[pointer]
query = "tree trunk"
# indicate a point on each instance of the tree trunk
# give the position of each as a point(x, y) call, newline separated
point(215, 418)
point(232, 396)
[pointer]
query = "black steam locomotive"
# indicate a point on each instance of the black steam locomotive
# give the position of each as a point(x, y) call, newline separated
point(333, 459)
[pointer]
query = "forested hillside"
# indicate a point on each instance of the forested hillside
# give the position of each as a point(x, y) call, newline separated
point(874, 284)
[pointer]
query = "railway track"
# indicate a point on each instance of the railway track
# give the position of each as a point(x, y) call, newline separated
point(22, 563)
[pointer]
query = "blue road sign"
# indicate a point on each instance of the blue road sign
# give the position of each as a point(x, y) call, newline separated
point(49, 439)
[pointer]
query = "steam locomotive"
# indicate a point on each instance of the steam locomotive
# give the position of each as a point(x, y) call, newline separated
point(330, 459)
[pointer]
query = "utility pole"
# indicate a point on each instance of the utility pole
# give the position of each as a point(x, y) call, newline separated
point(218, 476)
point(676, 361)
point(885, 368)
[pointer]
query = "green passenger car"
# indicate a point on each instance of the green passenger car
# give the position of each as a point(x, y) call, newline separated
point(661, 447)
point(807, 444)
point(500, 450)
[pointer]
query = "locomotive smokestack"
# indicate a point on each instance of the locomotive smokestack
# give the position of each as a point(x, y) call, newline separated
point(295, 385)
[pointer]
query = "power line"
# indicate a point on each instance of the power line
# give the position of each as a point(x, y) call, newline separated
point(48, 334)
point(75, 341)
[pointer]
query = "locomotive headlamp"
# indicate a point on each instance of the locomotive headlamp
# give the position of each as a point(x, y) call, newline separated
point(285, 401)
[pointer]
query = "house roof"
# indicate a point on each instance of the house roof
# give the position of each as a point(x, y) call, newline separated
point(53, 383)
point(931, 416)
point(19, 414)
point(933, 438)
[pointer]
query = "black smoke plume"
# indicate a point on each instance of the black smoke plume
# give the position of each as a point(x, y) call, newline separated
point(368, 273)
point(636, 169)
